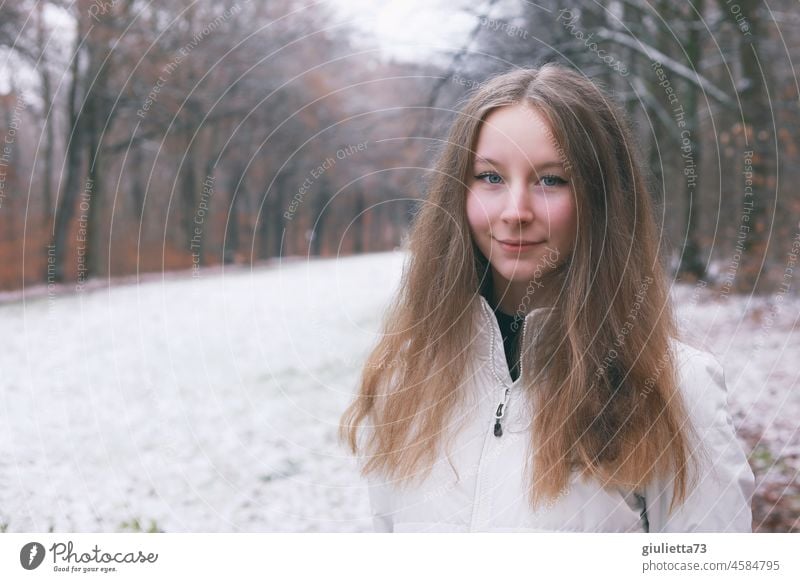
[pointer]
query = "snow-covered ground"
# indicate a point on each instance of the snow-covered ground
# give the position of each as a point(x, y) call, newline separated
point(757, 341)
point(206, 404)
point(212, 403)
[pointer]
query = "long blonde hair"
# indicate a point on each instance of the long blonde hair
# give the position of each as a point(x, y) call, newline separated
point(605, 394)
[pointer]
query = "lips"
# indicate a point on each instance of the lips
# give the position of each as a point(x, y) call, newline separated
point(518, 242)
point(517, 246)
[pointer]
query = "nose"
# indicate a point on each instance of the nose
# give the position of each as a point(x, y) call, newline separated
point(519, 205)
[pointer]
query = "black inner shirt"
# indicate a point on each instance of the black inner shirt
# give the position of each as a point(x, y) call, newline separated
point(510, 333)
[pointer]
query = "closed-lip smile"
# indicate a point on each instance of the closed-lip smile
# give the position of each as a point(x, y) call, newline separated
point(518, 243)
point(517, 246)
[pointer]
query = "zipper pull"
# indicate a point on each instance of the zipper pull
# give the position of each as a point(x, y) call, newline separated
point(500, 413)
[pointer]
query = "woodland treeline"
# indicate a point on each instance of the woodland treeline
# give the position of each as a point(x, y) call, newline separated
point(140, 137)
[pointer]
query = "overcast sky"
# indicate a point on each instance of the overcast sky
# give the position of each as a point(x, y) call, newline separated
point(412, 30)
point(404, 30)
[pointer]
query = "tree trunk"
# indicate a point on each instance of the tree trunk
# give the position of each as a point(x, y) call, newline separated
point(230, 243)
point(49, 126)
point(758, 137)
point(691, 261)
point(188, 203)
point(93, 243)
point(69, 193)
point(318, 219)
point(137, 182)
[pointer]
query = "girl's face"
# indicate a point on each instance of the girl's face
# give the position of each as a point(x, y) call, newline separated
point(520, 206)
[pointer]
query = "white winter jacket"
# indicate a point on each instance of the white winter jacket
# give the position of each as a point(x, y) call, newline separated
point(489, 493)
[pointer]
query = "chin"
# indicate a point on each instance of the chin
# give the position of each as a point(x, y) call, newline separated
point(526, 270)
point(518, 276)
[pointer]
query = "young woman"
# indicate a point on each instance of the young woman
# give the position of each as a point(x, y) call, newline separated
point(537, 382)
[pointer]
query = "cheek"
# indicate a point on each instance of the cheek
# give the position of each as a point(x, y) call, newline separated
point(563, 220)
point(477, 214)
point(568, 228)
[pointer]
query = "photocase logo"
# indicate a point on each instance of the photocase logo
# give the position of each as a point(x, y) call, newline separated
point(31, 555)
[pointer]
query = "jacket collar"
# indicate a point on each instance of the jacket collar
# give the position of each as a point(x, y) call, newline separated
point(488, 322)
point(534, 313)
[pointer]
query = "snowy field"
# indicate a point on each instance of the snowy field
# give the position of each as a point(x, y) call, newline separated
point(212, 403)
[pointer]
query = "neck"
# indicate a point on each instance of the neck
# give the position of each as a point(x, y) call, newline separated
point(521, 297)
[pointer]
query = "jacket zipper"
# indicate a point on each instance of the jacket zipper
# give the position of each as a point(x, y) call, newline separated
point(500, 412)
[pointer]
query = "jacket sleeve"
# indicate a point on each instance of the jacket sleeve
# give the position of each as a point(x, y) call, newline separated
point(719, 498)
point(380, 498)
point(381, 506)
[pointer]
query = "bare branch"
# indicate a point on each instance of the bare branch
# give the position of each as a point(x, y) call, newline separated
point(669, 63)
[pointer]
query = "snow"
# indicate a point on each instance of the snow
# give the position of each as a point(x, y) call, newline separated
point(206, 404)
point(212, 403)
point(756, 340)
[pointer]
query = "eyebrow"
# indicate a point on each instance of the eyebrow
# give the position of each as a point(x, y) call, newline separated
point(542, 166)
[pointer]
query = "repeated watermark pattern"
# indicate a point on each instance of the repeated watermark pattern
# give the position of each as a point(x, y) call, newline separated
point(778, 297)
point(693, 300)
point(687, 145)
point(503, 26)
point(98, 8)
point(550, 262)
point(568, 20)
point(741, 20)
point(316, 173)
point(556, 145)
point(744, 228)
point(622, 335)
point(7, 147)
point(82, 235)
point(195, 243)
point(465, 82)
point(183, 53)
point(651, 380)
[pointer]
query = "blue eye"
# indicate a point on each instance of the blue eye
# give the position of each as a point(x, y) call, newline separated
point(489, 177)
point(549, 180)
point(553, 181)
